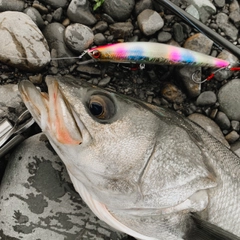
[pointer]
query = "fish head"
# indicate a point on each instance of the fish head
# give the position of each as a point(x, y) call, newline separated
point(101, 136)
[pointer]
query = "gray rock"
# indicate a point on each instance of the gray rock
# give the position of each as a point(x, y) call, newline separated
point(223, 121)
point(34, 14)
point(192, 11)
point(234, 6)
point(149, 22)
point(55, 3)
point(235, 147)
point(228, 28)
point(172, 93)
point(57, 14)
point(232, 137)
point(210, 126)
point(78, 37)
point(178, 32)
point(199, 43)
point(235, 125)
point(186, 74)
point(22, 44)
point(101, 26)
point(99, 39)
point(54, 33)
point(142, 5)
point(220, 3)
point(89, 70)
point(164, 36)
point(38, 200)
point(225, 74)
point(206, 98)
point(235, 17)
point(204, 7)
point(104, 82)
point(12, 5)
point(119, 10)
point(229, 99)
point(79, 12)
point(121, 29)
point(11, 104)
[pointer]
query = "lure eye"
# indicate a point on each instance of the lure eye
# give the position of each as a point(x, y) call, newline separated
point(101, 107)
point(96, 54)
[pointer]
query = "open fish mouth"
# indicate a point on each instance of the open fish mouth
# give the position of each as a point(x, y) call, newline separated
point(52, 111)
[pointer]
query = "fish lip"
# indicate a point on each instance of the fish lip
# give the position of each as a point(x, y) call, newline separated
point(53, 112)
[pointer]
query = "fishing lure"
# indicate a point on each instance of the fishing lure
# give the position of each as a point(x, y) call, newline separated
point(152, 53)
point(155, 53)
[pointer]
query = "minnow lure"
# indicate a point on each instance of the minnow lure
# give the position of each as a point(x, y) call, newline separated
point(152, 53)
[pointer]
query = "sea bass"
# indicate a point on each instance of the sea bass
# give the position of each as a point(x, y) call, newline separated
point(142, 169)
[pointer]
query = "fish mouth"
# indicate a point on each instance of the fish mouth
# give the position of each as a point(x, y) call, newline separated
point(52, 112)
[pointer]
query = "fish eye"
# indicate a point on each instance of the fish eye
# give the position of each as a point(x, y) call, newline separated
point(96, 54)
point(101, 107)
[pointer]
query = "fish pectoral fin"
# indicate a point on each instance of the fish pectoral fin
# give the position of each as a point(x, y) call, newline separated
point(203, 230)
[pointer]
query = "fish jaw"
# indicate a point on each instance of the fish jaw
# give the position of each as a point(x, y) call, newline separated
point(52, 112)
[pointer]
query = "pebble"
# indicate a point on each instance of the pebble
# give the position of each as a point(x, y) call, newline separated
point(234, 6)
point(12, 5)
point(119, 10)
point(10, 99)
point(228, 28)
point(199, 43)
point(204, 7)
point(121, 30)
point(210, 126)
point(54, 33)
point(172, 93)
point(206, 98)
point(235, 125)
point(186, 74)
point(232, 137)
point(34, 14)
point(220, 3)
point(192, 11)
point(164, 37)
point(22, 43)
point(235, 17)
point(222, 120)
point(142, 5)
point(55, 3)
point(99, 39)
point(229, 99)
point(104, 82)
point(178, 33)
point(38, 198)
point(79, 12)
point(149, 22)
point(78, 37)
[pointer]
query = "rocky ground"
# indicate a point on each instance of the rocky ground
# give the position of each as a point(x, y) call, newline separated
point(64, 29)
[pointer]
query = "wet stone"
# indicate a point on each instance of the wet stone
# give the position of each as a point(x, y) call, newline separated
point(229, 99)
point(11, 5)
point(38, 200)
point(149, 22)
point(222, 121)
point(79, 12)
point(55, 3)
point(178, 32)
point(232, 137)
point(119, 10)
point(224, 24)
point(34, 14)
point(78, 37)
point(121, 29)
point(186, 74)
point(206, 98)
point(199, 43)
point(54, 33)
point(164, 37)
point(22, 43)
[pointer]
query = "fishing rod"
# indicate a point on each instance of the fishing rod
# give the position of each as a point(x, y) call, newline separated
point(215, 37)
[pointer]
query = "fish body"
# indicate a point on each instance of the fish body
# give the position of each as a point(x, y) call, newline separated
point(142, 169)
point(154, 53)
